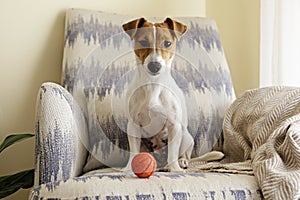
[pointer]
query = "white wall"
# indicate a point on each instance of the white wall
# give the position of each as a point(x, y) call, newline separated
point(31, 43)
point(238, 22)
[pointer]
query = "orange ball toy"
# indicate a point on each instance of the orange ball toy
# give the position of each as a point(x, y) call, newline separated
point(143, 165)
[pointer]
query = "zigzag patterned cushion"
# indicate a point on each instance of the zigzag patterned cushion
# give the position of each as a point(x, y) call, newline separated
point(99, 63)
point(119, 186)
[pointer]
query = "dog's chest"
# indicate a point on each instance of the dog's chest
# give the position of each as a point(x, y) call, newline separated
point(152, 106)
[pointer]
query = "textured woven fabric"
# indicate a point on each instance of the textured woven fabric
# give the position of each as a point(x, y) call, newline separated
point(60, 132)
point(264, 126)
point(262, 132)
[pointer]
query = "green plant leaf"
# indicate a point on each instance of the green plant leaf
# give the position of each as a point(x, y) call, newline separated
point(12, 183)
point(11, 139)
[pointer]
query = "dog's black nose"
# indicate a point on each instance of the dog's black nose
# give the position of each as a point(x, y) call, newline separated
point(154, 67)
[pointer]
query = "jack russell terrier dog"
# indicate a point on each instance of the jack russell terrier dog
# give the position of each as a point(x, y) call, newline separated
point(156, 105)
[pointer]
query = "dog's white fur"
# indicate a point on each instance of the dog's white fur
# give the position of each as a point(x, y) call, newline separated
point(156, 105)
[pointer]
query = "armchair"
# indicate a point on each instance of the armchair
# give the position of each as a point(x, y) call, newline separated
point(80, 135)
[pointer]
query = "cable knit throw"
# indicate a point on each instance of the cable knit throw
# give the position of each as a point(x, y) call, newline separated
point(262, 132)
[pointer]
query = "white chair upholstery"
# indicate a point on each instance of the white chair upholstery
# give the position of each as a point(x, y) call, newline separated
point(75, 133)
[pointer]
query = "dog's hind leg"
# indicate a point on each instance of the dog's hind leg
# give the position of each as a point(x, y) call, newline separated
point(210, 156)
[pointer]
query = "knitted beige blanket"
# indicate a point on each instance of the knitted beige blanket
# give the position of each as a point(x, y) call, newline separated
point(262, 136)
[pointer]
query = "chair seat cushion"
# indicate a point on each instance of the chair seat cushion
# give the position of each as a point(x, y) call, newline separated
point(162, 185)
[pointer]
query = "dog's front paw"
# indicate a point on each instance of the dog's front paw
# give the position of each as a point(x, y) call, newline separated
point(183, 163)
point(127, 169)
point(172, 168)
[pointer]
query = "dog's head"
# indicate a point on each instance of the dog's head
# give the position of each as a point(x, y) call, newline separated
point(154, 43)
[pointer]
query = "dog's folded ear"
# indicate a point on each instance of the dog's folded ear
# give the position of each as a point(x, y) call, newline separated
point(131, 27)
point(178, 29)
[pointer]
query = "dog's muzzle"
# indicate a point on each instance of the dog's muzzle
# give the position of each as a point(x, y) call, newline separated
point(154, 67)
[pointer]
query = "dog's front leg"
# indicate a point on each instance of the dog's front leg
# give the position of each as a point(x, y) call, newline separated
point(174, 138)
point(134, 140)
point(186, 148)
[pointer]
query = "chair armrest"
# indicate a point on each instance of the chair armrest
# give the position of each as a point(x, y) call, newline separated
point(61, 133)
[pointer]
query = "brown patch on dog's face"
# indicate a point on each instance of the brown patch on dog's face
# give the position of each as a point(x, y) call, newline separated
point(144, 41)
point(165, 41)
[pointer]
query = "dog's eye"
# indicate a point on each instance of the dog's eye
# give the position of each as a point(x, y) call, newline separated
point(167, 44)
point(144, 43)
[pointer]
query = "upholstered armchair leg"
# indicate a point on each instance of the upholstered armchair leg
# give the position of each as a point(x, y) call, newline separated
point(60, 130)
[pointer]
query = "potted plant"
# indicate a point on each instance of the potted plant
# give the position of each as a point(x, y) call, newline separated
point(24, 179)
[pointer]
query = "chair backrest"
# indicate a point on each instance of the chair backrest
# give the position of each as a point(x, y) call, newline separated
point(99, 63)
